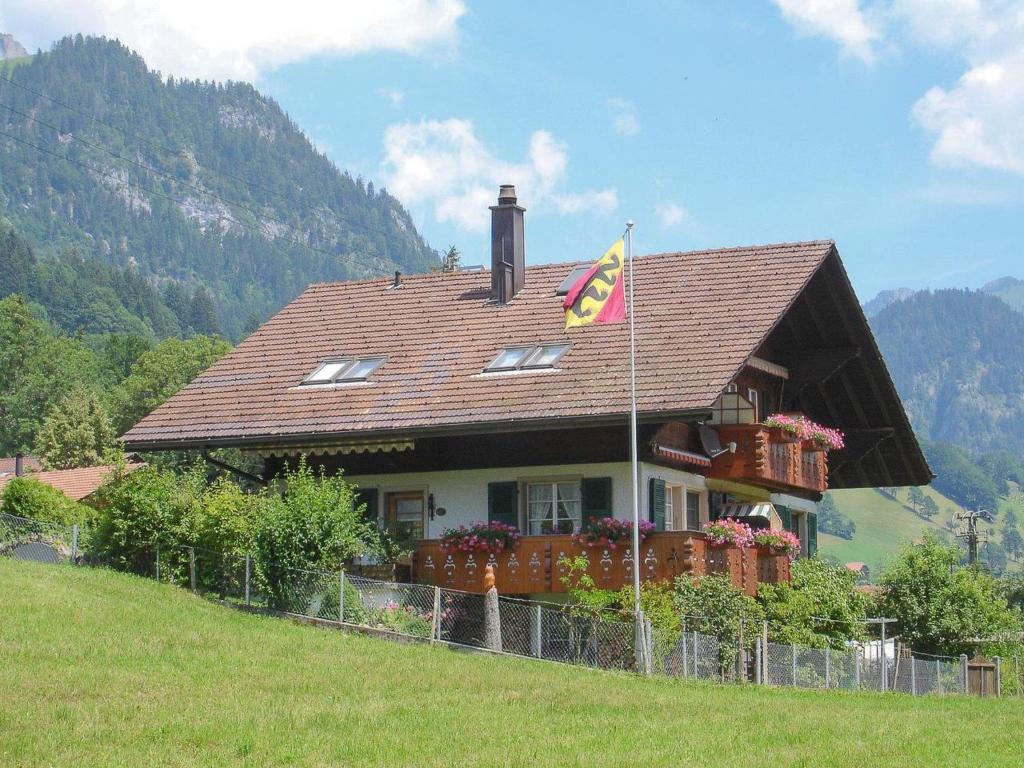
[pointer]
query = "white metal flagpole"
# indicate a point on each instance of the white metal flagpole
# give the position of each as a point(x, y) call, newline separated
point(634, 460)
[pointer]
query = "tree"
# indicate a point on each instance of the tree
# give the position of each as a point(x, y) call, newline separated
point(161, 372)
point(75, 433)
point(916, 498)
point(940, 607)
point(27, 497)
point(929, 508)
point(202, 315)
point(1013, 543)
point(831, 520)
point(452, 259)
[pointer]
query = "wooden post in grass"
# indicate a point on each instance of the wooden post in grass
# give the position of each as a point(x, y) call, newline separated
point(248, 575)
point(341, 596)
point(192, 567)
point(492, 615)
point(764, 652)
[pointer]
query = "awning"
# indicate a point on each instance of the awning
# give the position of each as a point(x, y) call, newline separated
point(746, 509)
point(682, 457)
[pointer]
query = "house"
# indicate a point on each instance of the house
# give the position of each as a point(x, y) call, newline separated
point(76, 484)
point(861, 570)
point(457, 397)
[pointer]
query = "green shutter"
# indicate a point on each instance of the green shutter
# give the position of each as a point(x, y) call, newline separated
point(597, 498)
point(656, 499)
point(812, 534)
point(369, 497)
point(503, 503)
point(787, 517)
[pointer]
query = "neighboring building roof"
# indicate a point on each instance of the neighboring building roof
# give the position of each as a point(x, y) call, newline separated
point(29, 463)
point(700, 316)
point(76, 484)
point(856, 567)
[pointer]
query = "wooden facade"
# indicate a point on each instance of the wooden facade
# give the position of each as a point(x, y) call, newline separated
point(538, 564)
point(771, 458)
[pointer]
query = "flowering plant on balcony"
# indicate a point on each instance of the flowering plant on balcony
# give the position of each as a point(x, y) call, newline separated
point(779, 542)
point(726, 532)
point(803, 428)
point(608, 532)
point(493, 537)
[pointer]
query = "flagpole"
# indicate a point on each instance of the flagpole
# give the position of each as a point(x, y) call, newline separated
point(634, 459)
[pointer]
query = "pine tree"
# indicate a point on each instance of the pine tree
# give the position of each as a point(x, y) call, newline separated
point(202, 316)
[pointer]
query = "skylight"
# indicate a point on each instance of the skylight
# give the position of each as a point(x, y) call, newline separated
point(342, 370)
point(571, 279)
point(527, 358)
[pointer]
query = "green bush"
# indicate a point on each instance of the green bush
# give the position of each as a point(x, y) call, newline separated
point(820, 607)
point(712, 606)
point(27, 497)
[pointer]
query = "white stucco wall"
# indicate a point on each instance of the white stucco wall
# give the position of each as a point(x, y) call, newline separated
point(463, 493)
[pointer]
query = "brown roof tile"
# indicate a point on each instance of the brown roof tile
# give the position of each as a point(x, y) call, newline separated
point(76, 484)
point(699, 315)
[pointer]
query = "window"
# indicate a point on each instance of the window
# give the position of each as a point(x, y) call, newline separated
point(523, 358)
point(342, 370)
point(572, 278)
point(755, 399)
point(692, 511)
point(553, 507)
point(671, 497)
point(732, 408)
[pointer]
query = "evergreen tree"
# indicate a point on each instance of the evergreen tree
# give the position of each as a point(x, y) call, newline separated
point(202, 316)
point(75, 433)
point(916, 498)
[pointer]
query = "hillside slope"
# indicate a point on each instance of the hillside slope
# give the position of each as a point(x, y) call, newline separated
point(957, 360)
point(105, 669)
point(193, 183)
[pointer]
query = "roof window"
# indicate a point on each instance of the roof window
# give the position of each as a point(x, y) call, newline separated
point(571, 279)
point(527, 357)
point(341, 370)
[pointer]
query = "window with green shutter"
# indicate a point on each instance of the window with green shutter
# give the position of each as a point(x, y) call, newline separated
point(503, 503)
point(786, 515)
point(597, 498)
point(812, 534)
point(656, 503)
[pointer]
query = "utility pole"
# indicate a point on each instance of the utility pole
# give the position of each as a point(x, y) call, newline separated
point(967, 530)
point(883, 671)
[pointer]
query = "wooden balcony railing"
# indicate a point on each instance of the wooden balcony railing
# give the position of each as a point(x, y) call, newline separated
point(537, 564)
point(770, 458)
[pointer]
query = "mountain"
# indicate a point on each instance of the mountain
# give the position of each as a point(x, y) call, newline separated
point(885, 298)
point(11, 48)
point(195, 188)
point(958, 362)
point(1009, 289)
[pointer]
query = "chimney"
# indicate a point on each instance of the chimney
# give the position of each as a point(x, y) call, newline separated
point(19, 465)
point(508, 247)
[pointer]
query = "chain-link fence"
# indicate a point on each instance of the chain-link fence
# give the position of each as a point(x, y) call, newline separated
point(554, 632)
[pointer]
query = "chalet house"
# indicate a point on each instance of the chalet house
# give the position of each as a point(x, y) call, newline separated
point(457, 397)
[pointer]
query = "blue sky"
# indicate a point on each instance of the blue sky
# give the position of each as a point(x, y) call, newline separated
point(893, 127)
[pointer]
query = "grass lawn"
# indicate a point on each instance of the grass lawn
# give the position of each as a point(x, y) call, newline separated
point(102, 669)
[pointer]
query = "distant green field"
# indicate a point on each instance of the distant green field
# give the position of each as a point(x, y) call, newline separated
point(102, 669)
point(883, 524)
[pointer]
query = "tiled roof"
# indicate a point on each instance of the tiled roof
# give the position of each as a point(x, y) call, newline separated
point(76, 484)
point(699, 316)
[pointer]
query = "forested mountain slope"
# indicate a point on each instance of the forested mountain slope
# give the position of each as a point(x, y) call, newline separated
point(184, 184)
point(957, 358)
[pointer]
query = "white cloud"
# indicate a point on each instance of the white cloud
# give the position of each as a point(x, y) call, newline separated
point(239, 40)
point(392, 95)
point(626, 119)
point(671, 214)
point(841, 20)
point(444, 165)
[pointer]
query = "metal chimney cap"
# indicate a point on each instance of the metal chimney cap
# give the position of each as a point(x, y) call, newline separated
point(507, 194)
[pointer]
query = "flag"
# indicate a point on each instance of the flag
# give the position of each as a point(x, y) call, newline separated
point(598, 296)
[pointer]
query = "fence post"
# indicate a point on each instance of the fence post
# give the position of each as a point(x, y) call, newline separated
point(999, 675)
point(436, 635)
point(828, 667)
point(74, 543)
point(963, 672)
point(913, 676)
point(341, 596)
point(695, 674)
point(685, 670)
point(758, 662)
point(192, 567)
point(158, 562)
point(765, 676)
point(538, 632)
point(648, 646)
point(794, 664)
point(248, 576)
point(856, 668)
point(938, 674)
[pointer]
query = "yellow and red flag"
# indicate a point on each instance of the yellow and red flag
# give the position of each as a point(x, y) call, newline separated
point(598, 296)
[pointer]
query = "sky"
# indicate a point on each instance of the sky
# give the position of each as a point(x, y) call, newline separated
point(894, 127)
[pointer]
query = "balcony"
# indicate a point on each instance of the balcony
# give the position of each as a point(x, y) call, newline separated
point(771, 458)
point(536, 564)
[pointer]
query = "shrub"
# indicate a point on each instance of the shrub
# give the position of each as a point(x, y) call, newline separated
point(819, 607)
point(712, 606)
point(27, 497)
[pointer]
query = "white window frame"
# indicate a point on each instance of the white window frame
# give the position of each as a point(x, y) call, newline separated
point(341, 375)
point(754, 396)
point(555, 518)
point(528, 361)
